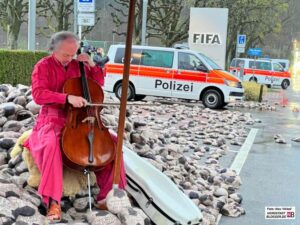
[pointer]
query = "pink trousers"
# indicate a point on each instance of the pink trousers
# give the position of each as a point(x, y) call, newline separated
point(45, 147)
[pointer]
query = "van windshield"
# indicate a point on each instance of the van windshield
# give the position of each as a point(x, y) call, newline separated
point(210, 62)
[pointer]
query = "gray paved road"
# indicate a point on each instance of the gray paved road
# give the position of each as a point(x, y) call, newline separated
point(271, 174)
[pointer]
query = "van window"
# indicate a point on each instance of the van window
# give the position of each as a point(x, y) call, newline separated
point(135, 56)
point(277, 67)
point(283, 65)
point(157, 58)
point(240, 63)
point(188, 61)
point(233, 63)
point(211, 63)
point(258, 65)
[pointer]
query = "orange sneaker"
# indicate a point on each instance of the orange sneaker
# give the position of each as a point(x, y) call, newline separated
point(54, 213)
point(101, 205)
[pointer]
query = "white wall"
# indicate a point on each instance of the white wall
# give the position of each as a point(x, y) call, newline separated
point(208, 32)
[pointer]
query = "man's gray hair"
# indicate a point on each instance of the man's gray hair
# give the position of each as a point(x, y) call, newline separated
point(58, 37)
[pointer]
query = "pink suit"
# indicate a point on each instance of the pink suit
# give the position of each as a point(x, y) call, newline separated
point(48, 78)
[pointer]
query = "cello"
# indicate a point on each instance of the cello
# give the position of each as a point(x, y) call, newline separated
point(86, 143)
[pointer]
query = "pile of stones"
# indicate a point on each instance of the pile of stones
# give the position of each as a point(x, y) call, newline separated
point(185, 142)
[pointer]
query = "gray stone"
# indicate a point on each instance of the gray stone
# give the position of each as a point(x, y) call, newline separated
point(280, 141)
point(296, 139)
point(9, 108)
point(206, 200)
point(236, 197)
point(33, 107)
point(3, 158)
point(81, 204)
point(7, 143)
point(2, 120)
point(133, 216)
point(5, 210)
point(22, 88)
point(8, 187)
point(23, 211)
point(10, 134)
point(5, 87)
point(102, 218)
point(36, 219)
point(221, 192)
point(12, 95)
point(137, 138)
point(76, 215)
point(12, 125)
point(23, 114)
point(21, 168)
point(20, 100)
point(14, 161)
point(193, 195)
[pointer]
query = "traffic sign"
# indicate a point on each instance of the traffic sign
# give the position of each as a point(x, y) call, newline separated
point(240, 50)
point(254, 52)
point(86, 19)
point(86, 5)
point(241, 41)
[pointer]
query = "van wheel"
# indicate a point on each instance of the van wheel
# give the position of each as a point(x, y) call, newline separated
point(254, 79)
point(130, 93)
point(285, 84)
point(212, 99)
point(139, 97)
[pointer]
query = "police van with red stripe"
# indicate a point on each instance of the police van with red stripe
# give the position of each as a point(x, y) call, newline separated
point(262, 71)
point(171, 72)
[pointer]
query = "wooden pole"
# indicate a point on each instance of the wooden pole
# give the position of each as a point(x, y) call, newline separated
point(125, 83)
point(261, 93)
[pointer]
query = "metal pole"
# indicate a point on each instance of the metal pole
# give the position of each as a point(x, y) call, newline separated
point(31, 24)
point(80, 32)
point(75, 16)
point(237, 41)
point(125, 84)
point(144, 21)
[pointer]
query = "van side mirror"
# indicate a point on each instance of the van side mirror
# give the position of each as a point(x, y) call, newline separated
point(202, 68)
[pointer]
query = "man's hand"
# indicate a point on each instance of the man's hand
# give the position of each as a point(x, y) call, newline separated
point(77, 101)
point(84, 57)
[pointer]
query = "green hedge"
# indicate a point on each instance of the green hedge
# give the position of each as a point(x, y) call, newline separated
point(16, 65)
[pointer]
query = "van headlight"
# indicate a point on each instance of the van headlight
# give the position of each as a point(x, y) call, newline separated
point(233, 84)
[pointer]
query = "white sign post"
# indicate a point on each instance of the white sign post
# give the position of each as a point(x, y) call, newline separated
point(86, 14)
point(207, 35)
point(86, 6)
point(86, 19)
point(241, 43)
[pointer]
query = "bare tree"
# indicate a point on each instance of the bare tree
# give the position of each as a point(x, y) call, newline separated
point(58, 16)
point(12, 13)
point(167, 22)
point(119, 15)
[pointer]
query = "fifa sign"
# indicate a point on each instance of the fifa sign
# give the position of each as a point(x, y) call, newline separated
point(208, 33)
point(206, 39)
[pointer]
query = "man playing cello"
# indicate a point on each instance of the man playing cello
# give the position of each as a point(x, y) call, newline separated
point(48, 78)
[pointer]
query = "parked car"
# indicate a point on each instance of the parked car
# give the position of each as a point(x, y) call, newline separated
point(170, 72)
point(261, 71)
